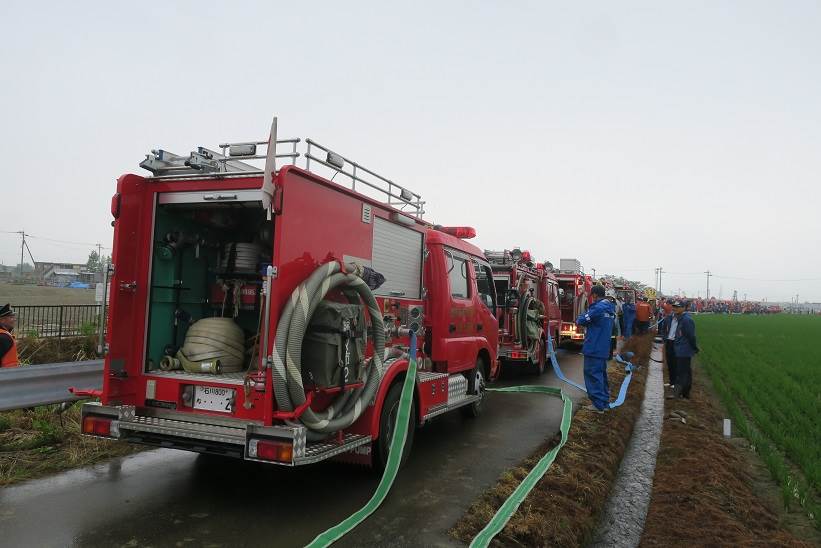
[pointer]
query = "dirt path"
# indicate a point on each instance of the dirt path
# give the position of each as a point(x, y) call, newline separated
point(703, 491)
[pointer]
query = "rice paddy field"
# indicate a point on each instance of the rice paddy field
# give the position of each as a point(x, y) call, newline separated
point(767, 372)
point(28, 295)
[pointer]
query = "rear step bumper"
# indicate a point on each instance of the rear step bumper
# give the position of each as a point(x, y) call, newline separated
point(205, 434)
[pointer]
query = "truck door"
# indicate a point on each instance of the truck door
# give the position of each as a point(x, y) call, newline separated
point(132, 212)
point(460, 340)
point(487, 325)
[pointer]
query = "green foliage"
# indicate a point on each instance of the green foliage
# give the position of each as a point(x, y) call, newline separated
point(766, 371)
point(47, 433)
point(5, 423)
point(88, 329)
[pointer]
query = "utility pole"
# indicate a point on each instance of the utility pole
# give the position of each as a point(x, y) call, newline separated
point(594, 272)
point(24, 247)
point(708, 283)
point(661, 271)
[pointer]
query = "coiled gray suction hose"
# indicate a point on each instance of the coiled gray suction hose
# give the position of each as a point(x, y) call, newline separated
point(528, 302)
point(287, 356)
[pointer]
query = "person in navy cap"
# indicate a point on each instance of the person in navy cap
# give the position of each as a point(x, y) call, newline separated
point(683, 333)
point(598, 320)
point(8, 344)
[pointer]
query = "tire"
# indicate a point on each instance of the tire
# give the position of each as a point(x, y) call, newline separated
point(387, 419)
point(538, 367)
point(477, 377)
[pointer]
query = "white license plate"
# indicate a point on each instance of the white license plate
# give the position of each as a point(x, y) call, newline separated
point(212, 398)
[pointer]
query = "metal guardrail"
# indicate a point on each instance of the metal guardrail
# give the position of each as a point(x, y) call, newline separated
point(33, 385)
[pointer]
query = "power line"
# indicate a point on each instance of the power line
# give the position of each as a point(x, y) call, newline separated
point(66, 242)
point(766, 280)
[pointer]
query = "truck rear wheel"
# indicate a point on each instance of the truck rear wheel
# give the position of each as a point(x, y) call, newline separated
point(387, 421)
point(476, 385)
point(539, 365)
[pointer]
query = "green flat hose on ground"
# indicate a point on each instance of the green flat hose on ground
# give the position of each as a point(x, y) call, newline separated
point(397, 446)
point(506, 511)
point(394, 457)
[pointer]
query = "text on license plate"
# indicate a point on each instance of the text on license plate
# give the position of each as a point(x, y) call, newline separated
point(212, 398)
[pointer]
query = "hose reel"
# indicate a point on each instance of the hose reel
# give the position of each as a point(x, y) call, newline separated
point(289, 388)
point(529, 323)
point(212, 345)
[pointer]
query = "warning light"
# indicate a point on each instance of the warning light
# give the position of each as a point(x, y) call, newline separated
point(461, 232)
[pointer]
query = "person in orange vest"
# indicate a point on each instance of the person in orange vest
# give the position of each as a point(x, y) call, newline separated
point(643, 313)
point(8, 344)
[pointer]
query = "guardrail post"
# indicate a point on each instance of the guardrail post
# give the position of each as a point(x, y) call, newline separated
point(60, 325)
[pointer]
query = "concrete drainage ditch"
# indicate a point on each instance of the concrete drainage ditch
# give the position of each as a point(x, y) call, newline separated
point(622, 521)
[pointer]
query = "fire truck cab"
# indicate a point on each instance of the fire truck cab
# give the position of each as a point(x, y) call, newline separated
point(574, 298)
point(626, 293)
point(266, 313)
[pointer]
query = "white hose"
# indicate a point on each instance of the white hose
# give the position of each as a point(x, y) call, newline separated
point(216, 339)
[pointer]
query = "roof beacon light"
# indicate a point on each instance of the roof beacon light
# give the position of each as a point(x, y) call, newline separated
point(335, 160)
point(245, 149)
point(461, 232)
point(526, 256)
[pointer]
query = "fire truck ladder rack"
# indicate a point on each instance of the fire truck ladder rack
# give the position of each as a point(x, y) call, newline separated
point(232, 162)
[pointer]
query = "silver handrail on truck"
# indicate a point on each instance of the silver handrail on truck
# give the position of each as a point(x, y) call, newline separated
point(232, 162)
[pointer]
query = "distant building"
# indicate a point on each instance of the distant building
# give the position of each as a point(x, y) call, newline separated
point(64, 273)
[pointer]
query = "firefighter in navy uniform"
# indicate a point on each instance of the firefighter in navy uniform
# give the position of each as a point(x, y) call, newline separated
point(8, 344)
point(598, 320)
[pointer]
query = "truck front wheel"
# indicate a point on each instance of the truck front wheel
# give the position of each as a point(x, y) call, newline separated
point(476, 386)
point(387, 422)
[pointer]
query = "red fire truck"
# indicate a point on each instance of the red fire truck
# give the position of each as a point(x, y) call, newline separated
point(266, 313)
point(528, 307)
point(574, 298)
point(626, 293)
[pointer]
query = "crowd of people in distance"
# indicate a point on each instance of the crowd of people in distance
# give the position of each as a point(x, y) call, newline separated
point(717, 306)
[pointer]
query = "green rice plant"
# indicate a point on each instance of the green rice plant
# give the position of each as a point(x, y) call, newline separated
point(766, 372)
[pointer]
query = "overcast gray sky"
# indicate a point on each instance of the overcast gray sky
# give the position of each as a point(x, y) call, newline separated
point(627, 134)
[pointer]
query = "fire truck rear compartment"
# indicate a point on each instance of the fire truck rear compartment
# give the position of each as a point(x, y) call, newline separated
point(206, 263)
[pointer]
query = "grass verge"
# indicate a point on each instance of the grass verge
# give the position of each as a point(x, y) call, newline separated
point(563, 508)
point(43, 440)
point(35, 350)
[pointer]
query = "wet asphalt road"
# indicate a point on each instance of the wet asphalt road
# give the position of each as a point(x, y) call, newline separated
point(173, 498)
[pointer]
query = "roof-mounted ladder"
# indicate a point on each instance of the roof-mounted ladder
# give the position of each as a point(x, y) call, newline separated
point(233, 158)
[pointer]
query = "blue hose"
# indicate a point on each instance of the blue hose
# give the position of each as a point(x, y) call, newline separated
point(620, 358)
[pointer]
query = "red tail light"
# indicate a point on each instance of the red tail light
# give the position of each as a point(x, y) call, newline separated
point(271, 450)
point(97, 426)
